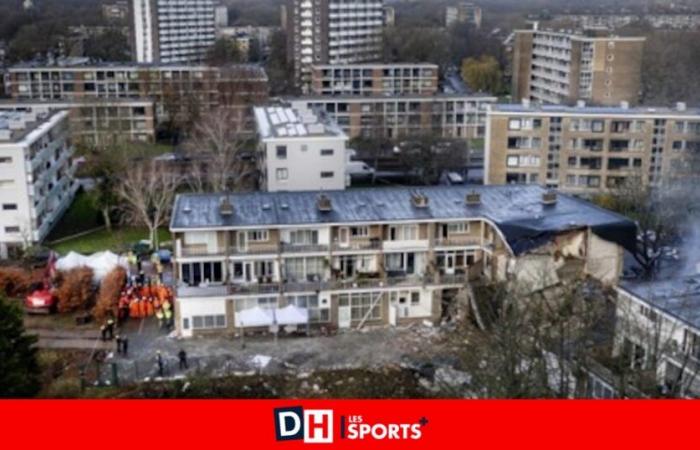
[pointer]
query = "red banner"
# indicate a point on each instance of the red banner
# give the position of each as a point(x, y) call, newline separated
point(199, 424)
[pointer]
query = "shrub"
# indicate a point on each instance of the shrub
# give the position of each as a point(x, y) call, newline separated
point(108, 297)
point(15, 281)
point(75, 289)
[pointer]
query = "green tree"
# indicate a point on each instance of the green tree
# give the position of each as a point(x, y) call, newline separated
point(483, 74)
point(223, 52)
point(112, 45)
point(19, 369)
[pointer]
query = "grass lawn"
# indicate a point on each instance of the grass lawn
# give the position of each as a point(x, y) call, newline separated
point(119, 239)
point(80, 216)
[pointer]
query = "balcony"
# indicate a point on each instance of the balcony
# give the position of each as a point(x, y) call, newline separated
point(371, 244)
point(304, 248)
point(458, 241)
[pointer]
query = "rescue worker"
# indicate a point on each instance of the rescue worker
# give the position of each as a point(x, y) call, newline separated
point(160, 316)
point(159, 360)
point(182, 356)
point(119, 344)
point(103, 332)
point(110, 328)
point(167, 318)
point(125, 345)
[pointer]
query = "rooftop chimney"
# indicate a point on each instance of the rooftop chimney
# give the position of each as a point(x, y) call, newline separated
point(323, 203)
point(549, 198)
point(225, 207)
point(473, 199)
point(419, 199)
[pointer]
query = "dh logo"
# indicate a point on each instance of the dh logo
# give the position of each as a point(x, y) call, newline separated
point(314, 426)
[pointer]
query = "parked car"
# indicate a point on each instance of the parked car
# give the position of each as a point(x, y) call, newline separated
point(41, 301)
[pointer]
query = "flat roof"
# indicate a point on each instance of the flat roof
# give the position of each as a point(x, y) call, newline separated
point(400, 65)
point(286, 122)
point(678, 297)
point(388, 98)
point(517, 210)
point(519, 108)
point(87, 64)
point(17, 125)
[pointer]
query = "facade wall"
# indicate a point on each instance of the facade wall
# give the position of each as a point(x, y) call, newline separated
point(381, 79)
point(172, 31)
point(36, 183)
point(563, 150)
point(395, 117)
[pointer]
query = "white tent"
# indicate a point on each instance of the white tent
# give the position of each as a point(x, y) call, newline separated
point(291, 315)
point(254, 317)
point(101, 263)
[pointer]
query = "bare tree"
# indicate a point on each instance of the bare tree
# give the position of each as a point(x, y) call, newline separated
point(216, 151)
point(147, 190)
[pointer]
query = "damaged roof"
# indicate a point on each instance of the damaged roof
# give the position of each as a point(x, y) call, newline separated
point(518, 210)
point(678, 297)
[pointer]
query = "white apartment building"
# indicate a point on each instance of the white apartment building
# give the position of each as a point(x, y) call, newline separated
point(36, 176)
point(333, 32)
point(299, 150)
point(172, 31)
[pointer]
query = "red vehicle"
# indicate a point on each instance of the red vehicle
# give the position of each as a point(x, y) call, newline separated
point(41, 301)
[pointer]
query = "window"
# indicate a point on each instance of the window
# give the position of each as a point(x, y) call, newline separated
point(326, 174)
point(514, 124)
point(5, 160)
point(281, 152)
point(211, 321)
point(327, 152)
point(261, 302)
point(359, 231)
point(9, 206)
point(6, 183)
point(319, 310)
point(403, 232)
point(362, 305)
point(193, 274)
point(303, 237)
point(459, 227)
point(282, 174)
point(258, 235)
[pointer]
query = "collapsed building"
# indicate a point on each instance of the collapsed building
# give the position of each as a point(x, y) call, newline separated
point(287, 261)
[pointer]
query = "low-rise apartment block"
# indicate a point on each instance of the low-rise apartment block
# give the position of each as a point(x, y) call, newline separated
point(561, 67)
point(658, 331)
point(374, 79)
point(585, 150)
point(99, 121)
point(445, 115)
point(299, 150)
point(176, 90)
point(36, 176)
point(390, 256)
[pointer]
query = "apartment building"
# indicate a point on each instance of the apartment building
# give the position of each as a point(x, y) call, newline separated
point(585, 150)
point(172, 31)
point(98, 122)
point(445, 115)
point(374, 79)
point(176, 90)
point(463, 13)
point(332, 32)
point(390, 256)
point(299, 150)
point(658, 331)
point(36, 177)
point(560, 67)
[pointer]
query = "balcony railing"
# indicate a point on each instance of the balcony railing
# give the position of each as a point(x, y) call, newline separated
point(328, 285)
point(372, 244)
point(457, 241)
